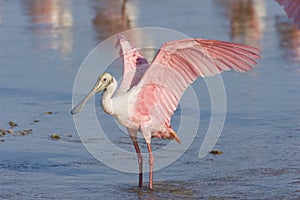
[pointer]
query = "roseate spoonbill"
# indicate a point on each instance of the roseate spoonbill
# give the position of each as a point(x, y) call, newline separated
point(292, 9)
point(149, 93)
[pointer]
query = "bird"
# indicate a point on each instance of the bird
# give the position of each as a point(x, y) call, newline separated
point(149, 93)
point(292, 9)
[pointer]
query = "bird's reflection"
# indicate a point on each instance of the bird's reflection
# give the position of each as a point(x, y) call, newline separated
point(289, 39)
point(245, 17)
point(112, 17)
point(51, 22)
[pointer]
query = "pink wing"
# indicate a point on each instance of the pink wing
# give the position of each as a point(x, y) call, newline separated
point(135, 64)
point(292, 8)
point(177, 65)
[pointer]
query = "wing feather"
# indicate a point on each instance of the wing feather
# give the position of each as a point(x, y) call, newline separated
point(135, 65)
point(292, 9)
point(177, 65)
point(236, 61)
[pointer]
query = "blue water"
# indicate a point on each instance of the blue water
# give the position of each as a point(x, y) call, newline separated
point(43, 44)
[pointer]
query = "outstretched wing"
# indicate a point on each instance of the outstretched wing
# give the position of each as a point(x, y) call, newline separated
point(135, 64)
point(292, 8)
point(177, 65)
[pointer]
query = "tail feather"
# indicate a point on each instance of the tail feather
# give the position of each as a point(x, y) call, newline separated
point(175, 137)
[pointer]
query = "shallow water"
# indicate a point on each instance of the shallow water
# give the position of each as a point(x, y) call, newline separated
point(42, 46)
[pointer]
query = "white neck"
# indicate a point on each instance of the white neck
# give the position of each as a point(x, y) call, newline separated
point(106, 98)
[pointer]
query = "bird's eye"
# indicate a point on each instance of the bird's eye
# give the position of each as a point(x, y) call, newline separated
point(104, 79)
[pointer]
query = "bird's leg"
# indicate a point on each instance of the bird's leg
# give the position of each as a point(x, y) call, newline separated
point(140, 158)
point(147, 135)
point(140, 161)
point(151, 163)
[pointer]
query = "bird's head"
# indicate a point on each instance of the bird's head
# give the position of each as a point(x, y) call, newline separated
point(103, 82)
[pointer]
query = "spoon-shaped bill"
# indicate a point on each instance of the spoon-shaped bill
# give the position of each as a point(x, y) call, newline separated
point(79, 106)
point(97, 88)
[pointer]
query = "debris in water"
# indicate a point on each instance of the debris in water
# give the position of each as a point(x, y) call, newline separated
point(35, 121)
point(12, 124)
point(55, 136)
point(24, 132)
point(48, 112)
point(10, 131)
point(2, 132)
point(216, 152)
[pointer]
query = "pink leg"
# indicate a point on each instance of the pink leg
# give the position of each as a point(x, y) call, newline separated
point(140, 160)
point(151, 163)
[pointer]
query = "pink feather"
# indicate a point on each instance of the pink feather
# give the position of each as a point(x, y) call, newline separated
point(177, 65)
point(292, 8)
point(135, 64)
